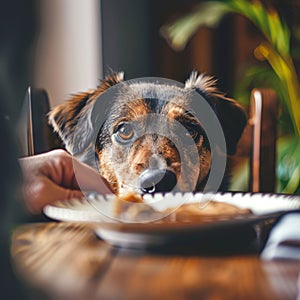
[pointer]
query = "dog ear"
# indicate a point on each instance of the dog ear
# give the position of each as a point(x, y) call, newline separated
point(231, 115)
point(72, 119)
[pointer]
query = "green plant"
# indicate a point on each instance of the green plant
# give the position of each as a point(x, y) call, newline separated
point(280, 73)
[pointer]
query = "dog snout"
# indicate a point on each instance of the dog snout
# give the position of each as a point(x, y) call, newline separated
point(157, 180)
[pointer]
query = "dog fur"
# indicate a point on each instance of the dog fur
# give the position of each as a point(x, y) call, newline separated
point(121, 161)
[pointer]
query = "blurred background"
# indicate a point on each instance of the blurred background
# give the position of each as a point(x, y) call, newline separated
point(66, 46)
point(78, 41)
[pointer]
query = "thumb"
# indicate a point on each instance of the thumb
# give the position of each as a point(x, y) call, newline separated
point(51, 193)
point(66, 194)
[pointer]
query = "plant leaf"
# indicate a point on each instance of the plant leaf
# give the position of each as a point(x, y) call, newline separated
point(288, 165)
point(285, 70)
point(206, 14)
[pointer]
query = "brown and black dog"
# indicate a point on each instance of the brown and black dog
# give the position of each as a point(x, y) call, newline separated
point(110, 131)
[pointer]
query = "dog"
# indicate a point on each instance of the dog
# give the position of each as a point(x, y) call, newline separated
point(114, 138)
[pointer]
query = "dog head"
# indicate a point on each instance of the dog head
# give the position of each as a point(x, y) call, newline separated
point(146, 136)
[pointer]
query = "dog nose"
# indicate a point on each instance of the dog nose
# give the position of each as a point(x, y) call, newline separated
point(157, 180)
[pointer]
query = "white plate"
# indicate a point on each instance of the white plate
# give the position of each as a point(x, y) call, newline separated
point(74, 210)
point(98, 209)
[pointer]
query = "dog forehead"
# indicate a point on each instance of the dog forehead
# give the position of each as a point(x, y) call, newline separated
point(163, 92)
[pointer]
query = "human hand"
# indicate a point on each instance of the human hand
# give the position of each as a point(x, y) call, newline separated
point(50, 176)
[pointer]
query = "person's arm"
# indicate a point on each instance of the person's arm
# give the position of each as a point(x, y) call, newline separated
point(50, 177)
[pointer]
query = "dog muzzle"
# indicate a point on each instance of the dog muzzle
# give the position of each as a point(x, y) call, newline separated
point(157, 181)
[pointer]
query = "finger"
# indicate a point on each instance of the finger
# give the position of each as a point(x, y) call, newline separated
point(46, 192)
point(67, 171)
point(87, 179)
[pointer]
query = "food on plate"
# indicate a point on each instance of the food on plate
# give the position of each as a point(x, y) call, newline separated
point(211, 210)
point(123, 203)
point(190, 212)
point(125, 209)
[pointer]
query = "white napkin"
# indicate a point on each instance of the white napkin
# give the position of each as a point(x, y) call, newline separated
point(284, 239)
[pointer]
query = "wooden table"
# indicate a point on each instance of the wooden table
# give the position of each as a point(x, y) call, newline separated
point(68, 261)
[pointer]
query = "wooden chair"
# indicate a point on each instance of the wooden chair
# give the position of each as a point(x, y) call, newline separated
point(263, 122)
point(39, 136)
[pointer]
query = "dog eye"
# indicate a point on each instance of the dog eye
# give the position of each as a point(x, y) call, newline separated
point(124, 132)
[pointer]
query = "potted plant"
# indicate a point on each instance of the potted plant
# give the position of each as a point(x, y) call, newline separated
point(279, 74)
